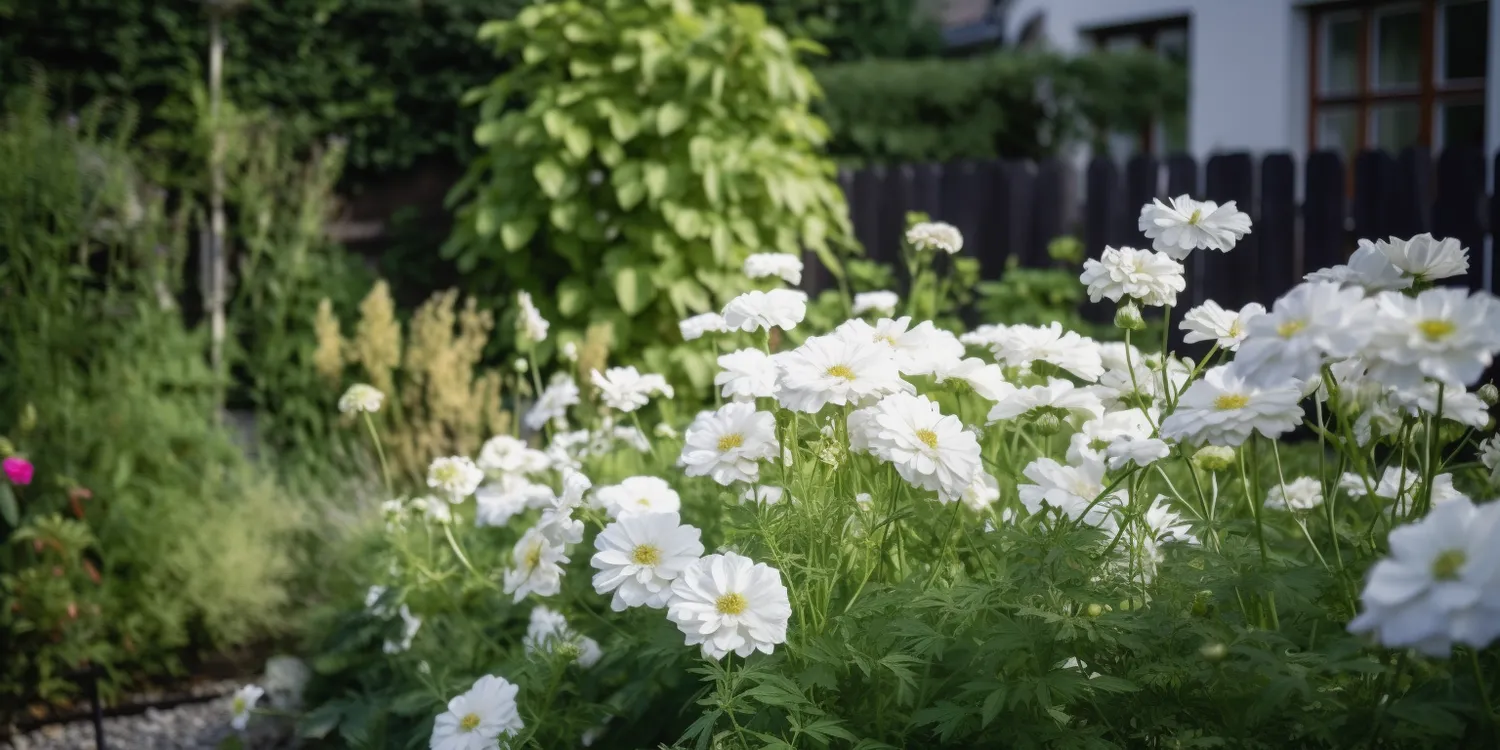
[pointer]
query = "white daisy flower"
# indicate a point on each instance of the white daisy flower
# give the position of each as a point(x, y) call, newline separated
point(410, 624)
point(748, 374)
point(552, 405)
point(537, 566)
point(929, 449)
point(935, 235)
point(455, 476)
point(973, 373)
point(985, 335)
point(432, 509)
point(636, 495)
point(917, 351)
point(730, 604)
point(477, 719)
point(837, 370)
point(1401, 486)
point(1489, 455)
point(698, 325)
point(1021, 345)
point(1142, 452)
point(499, 501)
point(1183, 225)
point(763, 494)
point(361, 398)
point(1071, 490)
point(1209, 322)
point(1141, 385)
point(640, 555)
point(1446, 334)
point(981, 493)
point(1459, 405)
point(880, 303)
point(1095, 435)
point(242, 704)
point(1058, 396)
point(1162, 526)
point(1223, 409)
point(1368, 268)
point(531, 325)
point(1301, 495)
point(1152, 279)
point(728, 444)
point(626, 389)
point(758, 311)
point(1436, 588)
point(503, 454)
point(549, 629)
point(784, 266)
point(1426, 259)
point(1313, 322)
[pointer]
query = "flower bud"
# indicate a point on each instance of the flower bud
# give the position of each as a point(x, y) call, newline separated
point(1095, 610)
point(6, 448)
point(569, 351)
point(1047, 423)
point(1489, 394)
point(1214, 458)
point(1128, 317)
point(1213, 651)
point(520, 365)
point(569, 651)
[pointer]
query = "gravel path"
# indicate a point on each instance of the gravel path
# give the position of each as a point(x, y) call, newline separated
point(189, 726)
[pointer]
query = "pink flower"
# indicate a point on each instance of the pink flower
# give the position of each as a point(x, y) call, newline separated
point(18, 470)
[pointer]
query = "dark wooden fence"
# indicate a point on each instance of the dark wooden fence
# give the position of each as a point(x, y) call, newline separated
point(1014, 208)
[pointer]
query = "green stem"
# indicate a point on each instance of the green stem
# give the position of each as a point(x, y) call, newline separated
point(385, 468)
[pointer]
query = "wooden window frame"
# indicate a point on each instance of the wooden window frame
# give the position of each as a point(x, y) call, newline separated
point(1148, 32)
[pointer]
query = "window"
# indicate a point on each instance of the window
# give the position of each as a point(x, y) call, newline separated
point(1167, 133)
point(1389, 75)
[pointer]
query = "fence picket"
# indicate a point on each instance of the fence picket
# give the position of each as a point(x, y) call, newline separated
point(1457, 202)
point(1280, 268)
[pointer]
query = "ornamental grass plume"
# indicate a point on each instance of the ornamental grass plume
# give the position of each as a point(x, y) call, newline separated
point(376, 346)
point(328, 357)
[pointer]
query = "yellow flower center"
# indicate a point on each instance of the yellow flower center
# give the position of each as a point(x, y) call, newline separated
point(1236, 329)
point(1231, 401)
point(646, 554)
point(731, 441)
point(643, 502)
point(887, 338)
point(928, 438)
point(469, 722)
point(1196, 217)
point(1436, 329)
point(534, 557)
point(1447, 565)
point(730, 604)
point(1290, 328)
point(239, 705)
point(841, 371)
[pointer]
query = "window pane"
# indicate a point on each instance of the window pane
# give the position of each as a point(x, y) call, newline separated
point(1338, 130)
point(1465, 39)
point(1340, 63)
point(1398, 49)
point(1122, 43)
point(1395, 126)
point(1461, 123)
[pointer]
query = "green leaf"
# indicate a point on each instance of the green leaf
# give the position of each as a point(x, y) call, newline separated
point(316, 724)
point(9, 510)
point(633, 289)
point(514, 234)
point(670, 118)
point(655, 176)
point(551, 177)
point(577, 140)
point(572, 297)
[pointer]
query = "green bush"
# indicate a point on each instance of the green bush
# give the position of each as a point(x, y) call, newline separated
point(634, 156)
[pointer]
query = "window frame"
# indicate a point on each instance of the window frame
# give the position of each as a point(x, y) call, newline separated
point(1148, 34)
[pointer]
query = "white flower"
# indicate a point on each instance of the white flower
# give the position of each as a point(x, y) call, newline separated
point(929, 449)
point(880, 303)
point(1209, 322)
point(1313, 322)
point(1459, 405)
point(1153, 279)
point(730, 604)
point(503, 454)
point(640, 555)
point(549, 629)
point(1222, 409)
point(432, 509)
point(665, 431)
point(476, 719)
point(748, 374)
point(694, 327)
point(935, 235)
point(455, 476)
point(626, 389)
point(531, 324)
point(537, 566)
point(373, 595)
point(568, 351)
point(981, 493)
point(1142, 384)
point(973, 373)
point(757, 310)
point(1058, 396)
point(361, 398)
point(763, 494)
point(1426, 259)
point(1446, 334)
point(1300, 495)
point(557, 522)
point(1184, 225)
point(1162, 526)
point(497, 502)
point(1489, 455)
point(864, 499)
point(1368, 268)
point(636, 495)
point(1020, 345)
point(1142, 452)
point(1071, 490)
point(1095, 436)
point(242, 704)
point(1438, 584)
point(1403, 486)
point(552, 405)
point(727, 444)
point(837, 370)
point(785, 266)
point(917, 351)
point(410, 624)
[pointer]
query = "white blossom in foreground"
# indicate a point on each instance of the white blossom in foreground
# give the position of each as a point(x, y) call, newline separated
point(626, 389)
point(1313, 321)
point(549, 629)
point(1301, 495)
point(1226, 328)
point(1183, 225)
point(728, 444)
point(1058, 397)
point(880, 303)
point(784, 266)
point(243, 704)
point(640, 555)
point(531, 325)
point(1075, 491)
point(636, 495)
point(917, 350)
point(1152, 279)
point(929, 449)
point(1368, 268)
point(762, 311)
point(361, 399)
point(552, 405)
point(536, 566)
point(730, 604)
point(748, 374)
point(1438, 585)
point(1021, 345)
point(695, 327)
point(1222, 409)
point(477, 719)
point(973, 373)
point(1425, 259)
point(503, 454)
point(935, 235)
point(1445, 334)
point(837, 370)
point(455, 476)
